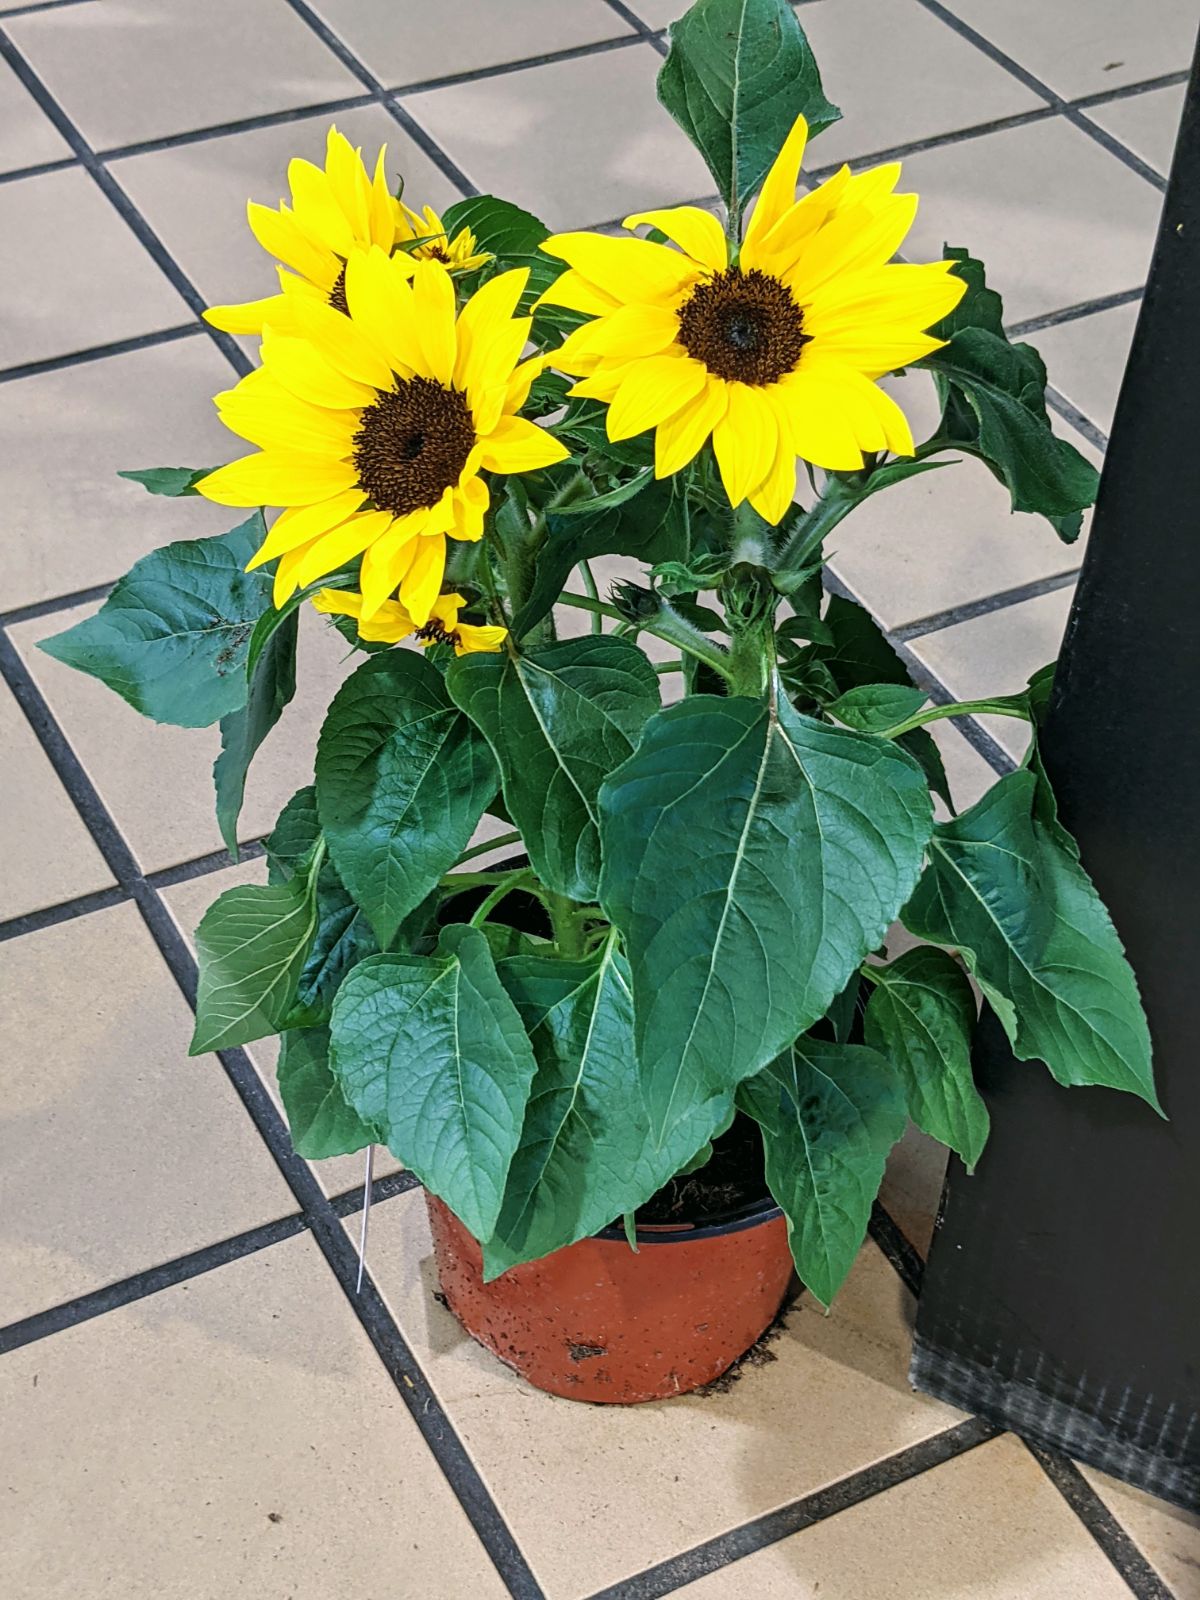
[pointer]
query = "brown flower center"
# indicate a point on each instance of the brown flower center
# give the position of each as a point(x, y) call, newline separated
point(337, 295)
point(412, 444)
point(744, 326)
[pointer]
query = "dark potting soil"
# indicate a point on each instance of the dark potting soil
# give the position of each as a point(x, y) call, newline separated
point(731, 1179)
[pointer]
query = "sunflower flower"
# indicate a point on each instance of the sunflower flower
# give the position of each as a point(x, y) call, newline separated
point(459, 254)
point(374, 428)
point(775, 353)
point(392, 622)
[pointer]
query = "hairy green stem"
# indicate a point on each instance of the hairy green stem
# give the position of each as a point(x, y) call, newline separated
point(960, 708)
point(485, 845)
point(676, 631)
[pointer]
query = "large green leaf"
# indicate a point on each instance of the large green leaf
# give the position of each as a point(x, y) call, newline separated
point(272, 685)
point(737, 75)
point(752, 858)
point(921, 1015)
point(586, 1155)
point(172, 637)
point(252, 944)
point(508, 233)
point(994, 406)
point(431, 1053)
point(322, 1123)
point(559, 720)
point(343, 935)
point(1003, 889)
point(402, 780)
point(829, 1114)
point(649, 526)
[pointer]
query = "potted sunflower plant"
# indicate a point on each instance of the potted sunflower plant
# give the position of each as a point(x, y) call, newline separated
point(660, 1052)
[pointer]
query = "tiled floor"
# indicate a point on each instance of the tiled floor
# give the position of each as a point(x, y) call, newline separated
point(195, 1401)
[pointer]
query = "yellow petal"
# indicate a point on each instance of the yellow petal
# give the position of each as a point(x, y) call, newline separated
point(772, 498)
point(517, 445)
point(745, 440)
point(573, 292)
point(852, 239)
point(496, 357)
point(433, 306)
point(337, 602)
point(271, 417)
point(778, 250)
point(420, 584)
point(471, 501)
point(341, 544)
point(897, 297)
point(627, 269)
point(516, 391)
point(303, 370)
point(630, 331)
point(651, 391)
point(248, 317)
point(387, 560)
point(470, 640)
point(281, 237)
point(382, 230)
point(485, 315)
point(300, 525)
point(381, 304)
point(816, 421)
point(779, 187)
point(317, 213)
point(696, 232)
point(273, 478)
point(348, 183)
point(343, 344)
point(680, 437)
point(286, 583)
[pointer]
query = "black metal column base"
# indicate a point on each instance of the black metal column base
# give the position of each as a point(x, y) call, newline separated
point(1148, 1451)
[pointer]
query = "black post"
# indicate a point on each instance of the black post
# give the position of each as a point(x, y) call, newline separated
point(1062, 1296)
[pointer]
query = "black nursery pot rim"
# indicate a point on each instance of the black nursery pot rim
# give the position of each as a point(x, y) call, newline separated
point(749, 1214)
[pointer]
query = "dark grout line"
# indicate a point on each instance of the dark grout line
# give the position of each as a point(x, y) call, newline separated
point(649, 35)
point(100, 352)
point(1073, 415)
point(202, 866)
point(51, 916)
point(1130, 91)
point(120, 201)
point(61, 602)
point(983, 607)
point(39, 169)
point(154, 1279)
point(1085, 308)
point(396, 1183)
point(37, 5)
point(1066, 107)
point(905, 1258)
point(738, 1543)
point(220, 130)
point(419, 136)
point(937, 141)
point(504, 69)
point(1103, 1526)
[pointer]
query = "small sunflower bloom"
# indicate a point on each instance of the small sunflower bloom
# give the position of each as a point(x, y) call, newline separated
point(773, 355)
point(459, 254)
point(392, 622)
point(335, 211)
point(374, 428)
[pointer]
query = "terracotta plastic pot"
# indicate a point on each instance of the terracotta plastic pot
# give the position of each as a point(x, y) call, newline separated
point(597, 1322)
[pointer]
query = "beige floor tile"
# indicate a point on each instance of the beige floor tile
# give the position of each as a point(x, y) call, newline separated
point(148, 68)
point(659, 13)
point(1056, 219)
point(187, 903)
point(996, 653)
point(73, 522)
point(152, 1154)
point(436, 38)
point(944, 538)
point(912, 1185)
point(576, 142)
point(1167, 1536)
point(1084, 49)
point(49, 856)
point(1146, 123)
point(169, 817)
point(1087, 359)
point(969, 775)
point(235, 1435)
point(869, 58)
point(988, 1525)
point(645, 1482)
point(194, 197)
point(58, 298)
point(27, 136)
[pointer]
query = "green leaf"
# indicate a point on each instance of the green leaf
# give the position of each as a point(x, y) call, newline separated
point(829, 1115)
point(737, 75)
point(921, 1014)
point(649, 527)
point(251, 945)
point(402, 780)
point(431, 1053)
point(1002, 889)
point(876, 707)
point(172, 637)
point(558, 721)
point(508, 233)
point(586, 1155)
point(272, 685)
point(994, 406)
point(752, 859)
point(171, 481)
point(321, 1122)
point(343, 934)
